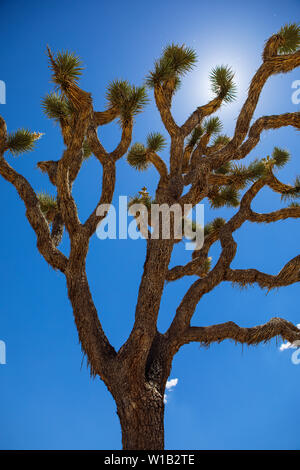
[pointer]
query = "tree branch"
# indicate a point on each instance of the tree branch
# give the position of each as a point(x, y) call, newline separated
point(199, 114)
point(200, 287)
point(108, 161)
point(252, 336)
point(288, 275)
point(105, 117)
point(33, 212)
point(163, 107)
point(94, 343)
point(159, 164)
point(233, 152)
point(272, 66)
point(57, 230)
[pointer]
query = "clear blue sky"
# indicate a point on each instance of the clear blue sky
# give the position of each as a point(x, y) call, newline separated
point(226, 397)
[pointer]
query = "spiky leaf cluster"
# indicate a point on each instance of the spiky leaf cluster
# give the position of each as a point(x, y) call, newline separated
point(56, 107)
point(224, 169)
point(195, 136)
point(22, 141)
point(222, 84)
point(290, 34)
point(145, 200)
point(66, 67)
point(175, 61)
point(212, 125)
point(156, 142)
point(294, 192)
point(243, 175)
point(214, 225)
point(256, 169)
point(48, 205)
point(227, 196)
point(137, 157)
point(221, 140)
point(280, 157)
point(294, 204)
point(206, 266)
point(128, 99)
point(87, 152)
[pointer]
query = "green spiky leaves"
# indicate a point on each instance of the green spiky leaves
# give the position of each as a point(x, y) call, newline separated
point(128, 99)
point(137, 157)
point(175, 61)
point(212, 125)
point(256, 169)
point(221, 140)
point(66, 67)
point(22, 141)
point(48, 205)
point(87, 152)
point(280, 157)
point(181, 58)
point(224, 169)
point(242, 175)
point(294, 192)
point(290, 34)
point(56, 107)
point(143, 198)
point(228, 196)
point(214, 226)
point(222, 84)
point(195, 136)
point(206, 266)
point(156, 142)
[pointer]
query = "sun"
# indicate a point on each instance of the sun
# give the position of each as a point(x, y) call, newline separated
point(196, 87)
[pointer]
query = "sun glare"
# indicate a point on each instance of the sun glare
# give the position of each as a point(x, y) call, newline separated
point(196, 86)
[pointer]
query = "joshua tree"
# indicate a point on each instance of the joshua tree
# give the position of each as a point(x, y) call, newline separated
point(202, 164)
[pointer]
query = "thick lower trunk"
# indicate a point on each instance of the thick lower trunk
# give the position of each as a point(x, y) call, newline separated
point(142, 421)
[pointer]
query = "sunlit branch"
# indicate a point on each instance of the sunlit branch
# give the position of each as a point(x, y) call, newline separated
point(199, 114)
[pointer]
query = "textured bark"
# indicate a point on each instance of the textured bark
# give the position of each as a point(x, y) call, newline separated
point(142, 419)
point(94, 343)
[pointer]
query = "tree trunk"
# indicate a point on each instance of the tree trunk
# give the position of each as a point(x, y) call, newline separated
point(142, 420)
